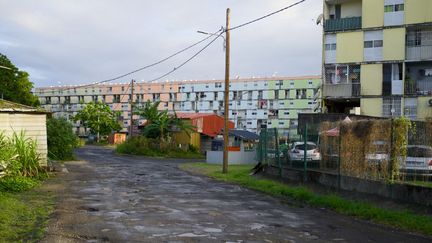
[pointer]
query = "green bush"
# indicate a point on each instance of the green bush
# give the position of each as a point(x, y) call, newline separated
point(19, 156)
point(61, 139)
point(17, 183)
point(140, 145)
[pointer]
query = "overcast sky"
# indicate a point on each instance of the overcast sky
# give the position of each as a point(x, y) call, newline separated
point(81, 41)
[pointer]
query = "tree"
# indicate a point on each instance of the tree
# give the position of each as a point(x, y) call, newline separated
point(99, 118)
point(14, 84)
point(61, 139)
point(160, 124)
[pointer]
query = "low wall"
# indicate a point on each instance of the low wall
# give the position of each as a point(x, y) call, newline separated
point(401, 192)
point(234, 157)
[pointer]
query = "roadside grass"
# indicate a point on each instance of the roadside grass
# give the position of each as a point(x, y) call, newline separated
point(24, 215)
point(421, 183)
point(239, 174)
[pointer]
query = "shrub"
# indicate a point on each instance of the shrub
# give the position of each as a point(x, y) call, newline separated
point(28, 157)
point(140, 145)
point(17, 183)
point(61, 139)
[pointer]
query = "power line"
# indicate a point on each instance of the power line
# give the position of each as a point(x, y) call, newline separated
point(147, 66)
point(189, 59)
point(266, 16)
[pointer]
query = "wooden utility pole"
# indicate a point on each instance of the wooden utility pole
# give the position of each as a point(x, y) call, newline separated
point(226, 93)
point(131, 108)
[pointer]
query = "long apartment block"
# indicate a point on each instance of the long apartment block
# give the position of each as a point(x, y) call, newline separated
point(274, 102)
point(377, 57)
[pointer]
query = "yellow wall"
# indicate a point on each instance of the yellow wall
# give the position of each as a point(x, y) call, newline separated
point(351, 9)
point(373, 13)
point(349, 47)
point(423, 108)
point(371, 79)
point(183, 139)
point(394, 44)
point(371, 106)
point(418, 11)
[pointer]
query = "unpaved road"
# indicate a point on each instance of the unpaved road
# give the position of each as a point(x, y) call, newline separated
point(111, 198)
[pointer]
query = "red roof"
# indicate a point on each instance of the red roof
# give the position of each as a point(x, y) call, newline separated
point(206, 123)
point(192, 115)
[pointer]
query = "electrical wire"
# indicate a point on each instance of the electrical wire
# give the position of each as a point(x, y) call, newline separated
point(266, 16)
point(147, 66)
point(189, 59)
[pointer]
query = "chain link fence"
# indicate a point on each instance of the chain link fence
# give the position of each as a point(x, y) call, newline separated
point(386, 150)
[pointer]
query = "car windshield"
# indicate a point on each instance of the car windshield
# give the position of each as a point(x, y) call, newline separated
point(419, 152)
point(309, 146)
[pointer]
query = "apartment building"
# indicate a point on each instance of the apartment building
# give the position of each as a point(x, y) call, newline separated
point(377, 57)
point(274, 102)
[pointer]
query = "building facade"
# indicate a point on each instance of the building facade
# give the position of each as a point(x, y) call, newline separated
point(377, 57)
point(254, 102)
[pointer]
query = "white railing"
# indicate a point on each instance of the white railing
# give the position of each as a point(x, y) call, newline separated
point(341, 90)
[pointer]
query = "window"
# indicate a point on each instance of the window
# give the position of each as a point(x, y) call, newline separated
point(373, 44)
point(330, 47)
point(122, 88)
point(392, 106)
point(394, 8)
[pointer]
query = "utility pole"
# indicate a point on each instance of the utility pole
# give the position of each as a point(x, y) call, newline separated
point(131, 108)
point(226, 93)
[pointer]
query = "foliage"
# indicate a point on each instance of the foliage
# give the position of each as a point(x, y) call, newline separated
point(61, 139)
point(24, 215)
point(401, 127)
point(28, 158)
point(99, 118)
point(160, 124)
point(140, 145)
point(240, 174)
point(17, 183)
point(15, 85)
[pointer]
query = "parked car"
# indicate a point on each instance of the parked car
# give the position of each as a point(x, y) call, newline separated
point(380, 153)
point(297, 149)
point(418, 160)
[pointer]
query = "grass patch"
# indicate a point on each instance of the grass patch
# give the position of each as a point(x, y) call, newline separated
point(239, 174)
point(23, 216)
point(420, 183)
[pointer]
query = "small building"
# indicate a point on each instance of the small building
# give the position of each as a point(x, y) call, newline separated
point(207, 127)
point(241, 148)
point(16, 118)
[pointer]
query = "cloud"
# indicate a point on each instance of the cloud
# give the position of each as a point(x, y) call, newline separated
point(82, 41)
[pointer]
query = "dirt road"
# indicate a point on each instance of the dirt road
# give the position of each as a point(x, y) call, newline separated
point(111, 198)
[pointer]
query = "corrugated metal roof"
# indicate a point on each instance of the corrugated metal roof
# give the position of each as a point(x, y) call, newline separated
point(192, 115)
point(244, 134)
point(8, 106)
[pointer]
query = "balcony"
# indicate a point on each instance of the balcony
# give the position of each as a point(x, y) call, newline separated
point(343, 24)
point(419, 45)
point(418, 79)
point(341, 90)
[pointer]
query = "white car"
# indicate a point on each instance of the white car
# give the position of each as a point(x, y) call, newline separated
point(418, 160)
point(297, 151)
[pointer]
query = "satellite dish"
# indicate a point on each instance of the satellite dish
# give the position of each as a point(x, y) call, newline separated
point(319, 19)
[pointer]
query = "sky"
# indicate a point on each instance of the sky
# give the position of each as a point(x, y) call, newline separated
point(61, 42)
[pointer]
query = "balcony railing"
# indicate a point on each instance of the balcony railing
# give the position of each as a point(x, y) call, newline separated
point(341, 90)
point(418, 88)
point(343, 24)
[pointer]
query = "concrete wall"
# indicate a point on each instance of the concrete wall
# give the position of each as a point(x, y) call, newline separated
point(371, 79)
point(349, 47)
point(33, 124)
point(394, 44)
point(418, 11)
point(400, 192)
point(373, 13)
point(234, 158)
point(371, 106)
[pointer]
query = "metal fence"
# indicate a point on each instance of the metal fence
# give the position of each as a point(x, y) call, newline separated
point(387, 150)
